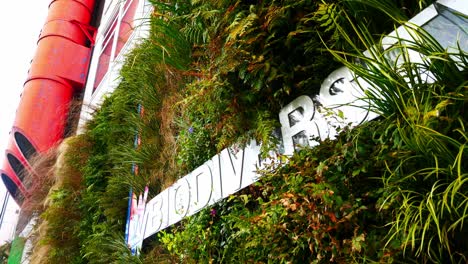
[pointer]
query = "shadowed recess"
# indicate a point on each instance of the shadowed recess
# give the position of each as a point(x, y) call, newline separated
point(17, 167)
point(25, 146)
point(13, 189)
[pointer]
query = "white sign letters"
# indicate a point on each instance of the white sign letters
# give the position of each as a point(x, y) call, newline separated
point(304, 121)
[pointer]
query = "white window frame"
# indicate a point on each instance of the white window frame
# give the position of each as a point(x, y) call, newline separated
point(112, 9)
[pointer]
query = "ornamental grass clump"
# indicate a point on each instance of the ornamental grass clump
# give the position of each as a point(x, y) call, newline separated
point(421, 88)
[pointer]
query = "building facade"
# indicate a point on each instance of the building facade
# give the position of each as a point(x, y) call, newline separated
point(99, 37)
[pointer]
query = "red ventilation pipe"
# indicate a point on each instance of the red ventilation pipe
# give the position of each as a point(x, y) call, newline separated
point(59, 69)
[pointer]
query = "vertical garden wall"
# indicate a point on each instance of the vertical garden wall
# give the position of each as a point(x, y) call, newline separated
point(214, 74)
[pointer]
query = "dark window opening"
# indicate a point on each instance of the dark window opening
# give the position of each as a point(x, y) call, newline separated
point(25, 146)
point(18, 168)
point(13, 189)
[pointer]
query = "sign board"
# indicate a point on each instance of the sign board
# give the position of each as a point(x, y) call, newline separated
point(303, 121)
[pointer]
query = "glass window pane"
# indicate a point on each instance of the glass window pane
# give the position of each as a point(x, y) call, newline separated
point(449, 28)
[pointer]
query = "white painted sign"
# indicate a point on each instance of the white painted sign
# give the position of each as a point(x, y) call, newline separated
point(303, 121)
point(224, 174)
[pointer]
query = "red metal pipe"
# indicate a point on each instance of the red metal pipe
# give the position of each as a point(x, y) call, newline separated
point(59, 69)
point(42, 113)
point(13, 150)
point(12, 182)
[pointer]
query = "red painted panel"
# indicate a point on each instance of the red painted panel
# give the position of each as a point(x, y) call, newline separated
point(125, 30)
point(106, 52)
point(127, 25)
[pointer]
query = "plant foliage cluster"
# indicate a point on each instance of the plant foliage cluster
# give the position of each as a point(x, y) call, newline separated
point(251, 58)
point(215, 73)
point(319, 207)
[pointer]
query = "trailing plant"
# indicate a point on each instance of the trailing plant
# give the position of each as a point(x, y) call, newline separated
point(38, 180)
point(57, 233)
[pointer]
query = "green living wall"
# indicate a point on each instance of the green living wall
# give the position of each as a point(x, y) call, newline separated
point(213, 74)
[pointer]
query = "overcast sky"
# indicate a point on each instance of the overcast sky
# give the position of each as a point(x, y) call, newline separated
point(20, 25)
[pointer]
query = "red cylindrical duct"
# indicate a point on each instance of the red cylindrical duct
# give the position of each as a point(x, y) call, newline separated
point(15, 168)
point(58, 69)
point(13, 183)
point(59, 65)
point(42, 113)
point(13, 150)
point(64, 28)
point(80, 10)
